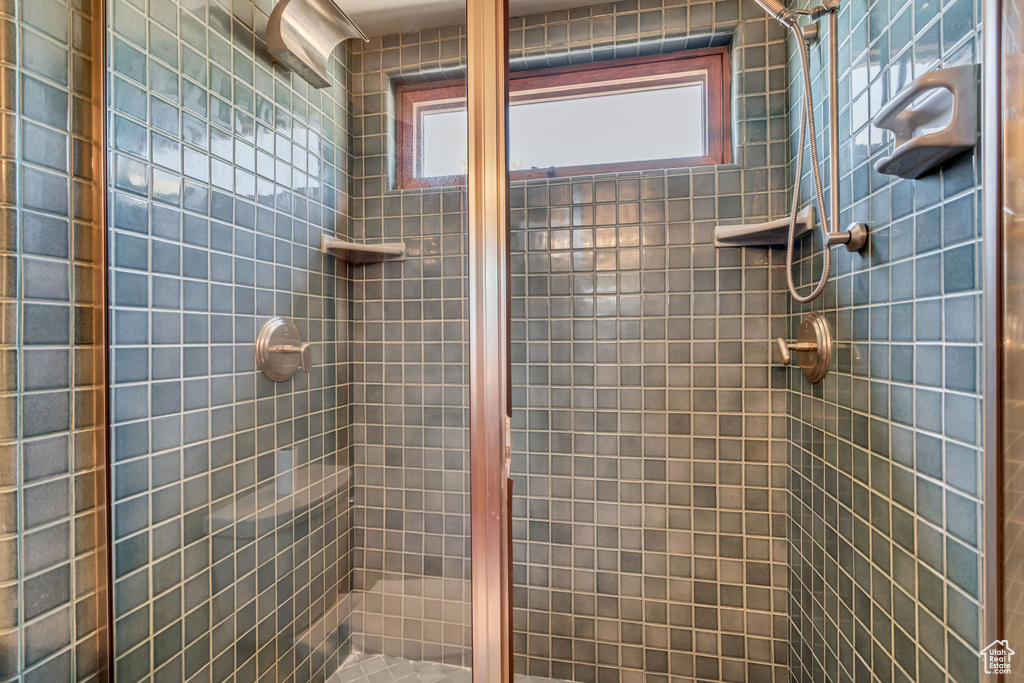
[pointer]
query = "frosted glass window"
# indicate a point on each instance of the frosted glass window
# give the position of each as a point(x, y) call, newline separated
point(667, 123)
point(633, 115)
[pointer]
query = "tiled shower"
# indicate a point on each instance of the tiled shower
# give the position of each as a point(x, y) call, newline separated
point(685, 509)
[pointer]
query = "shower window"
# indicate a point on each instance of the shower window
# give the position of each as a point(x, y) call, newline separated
point(666, 111)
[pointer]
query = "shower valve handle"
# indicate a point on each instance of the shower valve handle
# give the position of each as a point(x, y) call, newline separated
point(813, 343)
point(280, 350)
point(783, 348)
point(305, 352)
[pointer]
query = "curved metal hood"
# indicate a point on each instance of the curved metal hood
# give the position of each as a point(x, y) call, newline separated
point(302, 34)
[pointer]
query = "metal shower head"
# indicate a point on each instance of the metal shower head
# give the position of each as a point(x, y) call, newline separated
point(775, 9)
point(302, 34)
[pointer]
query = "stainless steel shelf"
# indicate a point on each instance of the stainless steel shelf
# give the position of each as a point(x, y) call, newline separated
point(362, 253)
point(770, 234)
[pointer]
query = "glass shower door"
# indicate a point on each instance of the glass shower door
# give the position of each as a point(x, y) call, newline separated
point(411, 570)
point(1006, 621)
point(232, 521)
point(320, 526)
point(53, 559)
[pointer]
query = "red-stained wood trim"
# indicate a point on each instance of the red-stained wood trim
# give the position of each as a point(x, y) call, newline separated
point(706, 66)
point(447, 95)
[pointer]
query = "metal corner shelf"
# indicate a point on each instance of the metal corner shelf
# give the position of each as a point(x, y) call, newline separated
point(362, 253)
point(770, 234)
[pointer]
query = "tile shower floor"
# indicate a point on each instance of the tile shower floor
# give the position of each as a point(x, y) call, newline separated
point(363, 668)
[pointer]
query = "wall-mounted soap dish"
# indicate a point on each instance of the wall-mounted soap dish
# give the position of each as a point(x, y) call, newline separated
point(302, 34)
point(770, 234)
point(932, 119)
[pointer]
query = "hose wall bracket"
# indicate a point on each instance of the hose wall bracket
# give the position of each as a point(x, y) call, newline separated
point(854, 238)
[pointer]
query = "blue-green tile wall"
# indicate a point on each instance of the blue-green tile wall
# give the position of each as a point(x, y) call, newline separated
point(231, 513)
point(885, 495)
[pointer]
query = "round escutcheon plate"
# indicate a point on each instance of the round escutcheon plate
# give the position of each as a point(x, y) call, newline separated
point(277, 332)
point(814, 329)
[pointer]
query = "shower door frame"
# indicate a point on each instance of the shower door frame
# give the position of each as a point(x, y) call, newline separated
point(992, 288)
point(490, 341)
point(101, 356)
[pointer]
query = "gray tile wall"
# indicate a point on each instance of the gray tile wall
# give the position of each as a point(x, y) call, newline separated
point(884, 483)
point(650, 441)
point(50, 349)
point(231, 492)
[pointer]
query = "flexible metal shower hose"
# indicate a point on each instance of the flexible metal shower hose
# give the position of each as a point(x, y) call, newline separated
point(806, 115)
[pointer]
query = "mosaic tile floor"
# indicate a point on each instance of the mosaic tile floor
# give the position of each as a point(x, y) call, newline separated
point(363, 668)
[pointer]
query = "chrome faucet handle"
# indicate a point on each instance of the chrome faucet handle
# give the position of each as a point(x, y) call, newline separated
point(814, 342)
point(305, 352)
point(782, 347)
point(280, 350)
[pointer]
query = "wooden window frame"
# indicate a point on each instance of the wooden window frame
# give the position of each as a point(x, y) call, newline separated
point(709, 67)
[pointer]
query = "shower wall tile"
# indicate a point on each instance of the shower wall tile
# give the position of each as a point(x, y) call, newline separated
point(231, 514)
point(51, 372)
point(885, 454)
point(649, 435)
